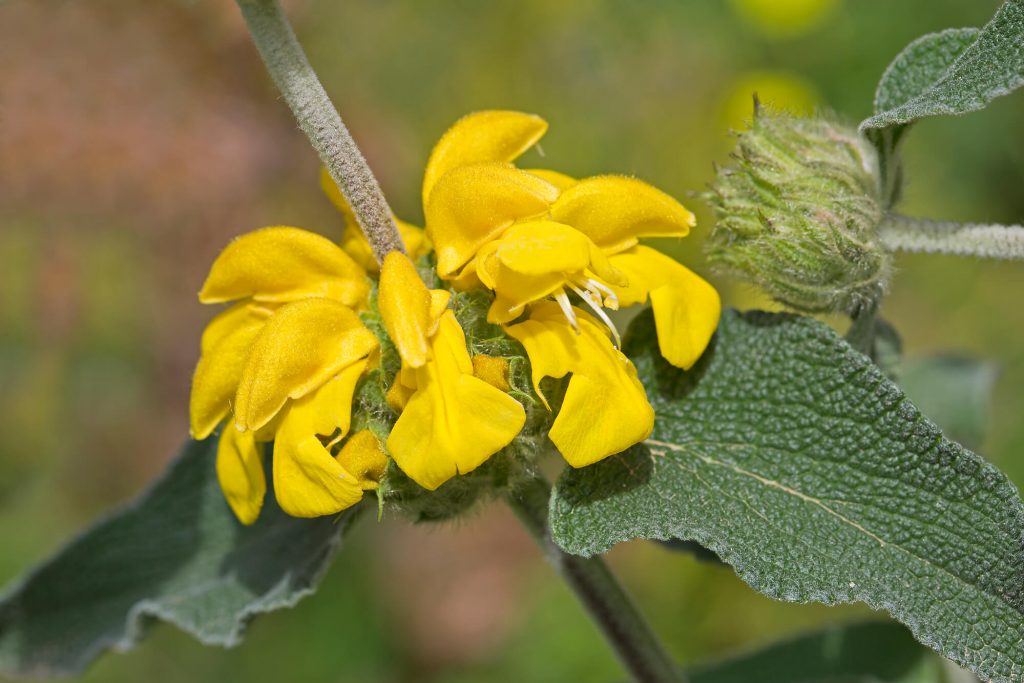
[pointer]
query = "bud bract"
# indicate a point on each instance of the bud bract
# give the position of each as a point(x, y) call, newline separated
point(798, 212)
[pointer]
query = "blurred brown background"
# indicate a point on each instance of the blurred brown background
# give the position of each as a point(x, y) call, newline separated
point(137, 138)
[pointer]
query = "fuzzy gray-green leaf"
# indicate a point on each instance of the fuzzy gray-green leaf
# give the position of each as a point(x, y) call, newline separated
point(796, 461)
point(176, 554)
point(953, 72)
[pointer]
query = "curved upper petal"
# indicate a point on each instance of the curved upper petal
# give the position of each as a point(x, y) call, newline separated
point(605, 409)
point(454, 421)
point(495, 135)
point(472, 205)
point(686, 307)
point(225, 348)
point(616, 210)
point(302, 346)
point(284, 264)
point(240, 473)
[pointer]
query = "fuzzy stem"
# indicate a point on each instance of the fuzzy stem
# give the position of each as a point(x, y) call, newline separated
point(901, 233)
point(320, 121)
point(625, 629)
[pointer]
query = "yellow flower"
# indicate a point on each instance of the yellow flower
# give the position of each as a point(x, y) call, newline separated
point(354, 242)
point(452, 421)
point(284, 362)
point(538, 237)
point(534, 235)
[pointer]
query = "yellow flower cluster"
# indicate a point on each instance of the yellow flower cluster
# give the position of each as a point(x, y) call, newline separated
point(284, 361)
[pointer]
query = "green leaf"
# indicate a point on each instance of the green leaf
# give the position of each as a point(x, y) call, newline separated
point(797, 462)
point(953, 72)
point(176, 554)
point(955, 392)
point(872, 652)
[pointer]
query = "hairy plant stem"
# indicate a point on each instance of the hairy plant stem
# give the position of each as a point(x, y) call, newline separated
point(625, 629)
point(320, 121)
point(901, 233)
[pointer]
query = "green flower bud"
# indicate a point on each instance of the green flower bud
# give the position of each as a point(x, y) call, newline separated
point(798, 214)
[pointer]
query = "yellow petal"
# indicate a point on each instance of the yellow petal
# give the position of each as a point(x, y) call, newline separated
point(229, 321)
point(540, 247)
point(302, 345)
point(329, 408)
point(225, 348)
point(454, 421)
point(514, 291)
point(686, 307)
point(398, 396)
point(284, 264)
point(533, 260)
point(363, 456)
point(355, 244)
point(240, 473)
point(472, 205)
point(479, 137)
point(615, 210)
point(605, 409)
point(308, 481)
point(414, 238)
point(556, 178)
point(439, 299)
point(492, 369)
point(405, 305)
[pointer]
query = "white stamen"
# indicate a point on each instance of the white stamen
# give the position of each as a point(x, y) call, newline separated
point(611, 300)
point(596, 307)
point(563, 301)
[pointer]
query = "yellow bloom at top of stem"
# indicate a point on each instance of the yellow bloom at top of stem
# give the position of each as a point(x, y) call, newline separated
point(451, 421)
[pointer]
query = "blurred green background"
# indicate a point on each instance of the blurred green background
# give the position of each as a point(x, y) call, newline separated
point(137, 138)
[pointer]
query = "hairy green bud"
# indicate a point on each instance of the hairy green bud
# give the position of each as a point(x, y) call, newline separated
point(798, 214)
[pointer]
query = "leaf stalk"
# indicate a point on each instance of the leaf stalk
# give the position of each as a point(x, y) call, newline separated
point(917, 235)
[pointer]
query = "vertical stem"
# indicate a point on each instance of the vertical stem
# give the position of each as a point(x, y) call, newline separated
point(625, 629)
point(320, 121)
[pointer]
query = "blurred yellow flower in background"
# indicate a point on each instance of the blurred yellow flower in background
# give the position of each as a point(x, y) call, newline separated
point(784, 18)
point(778, 90)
